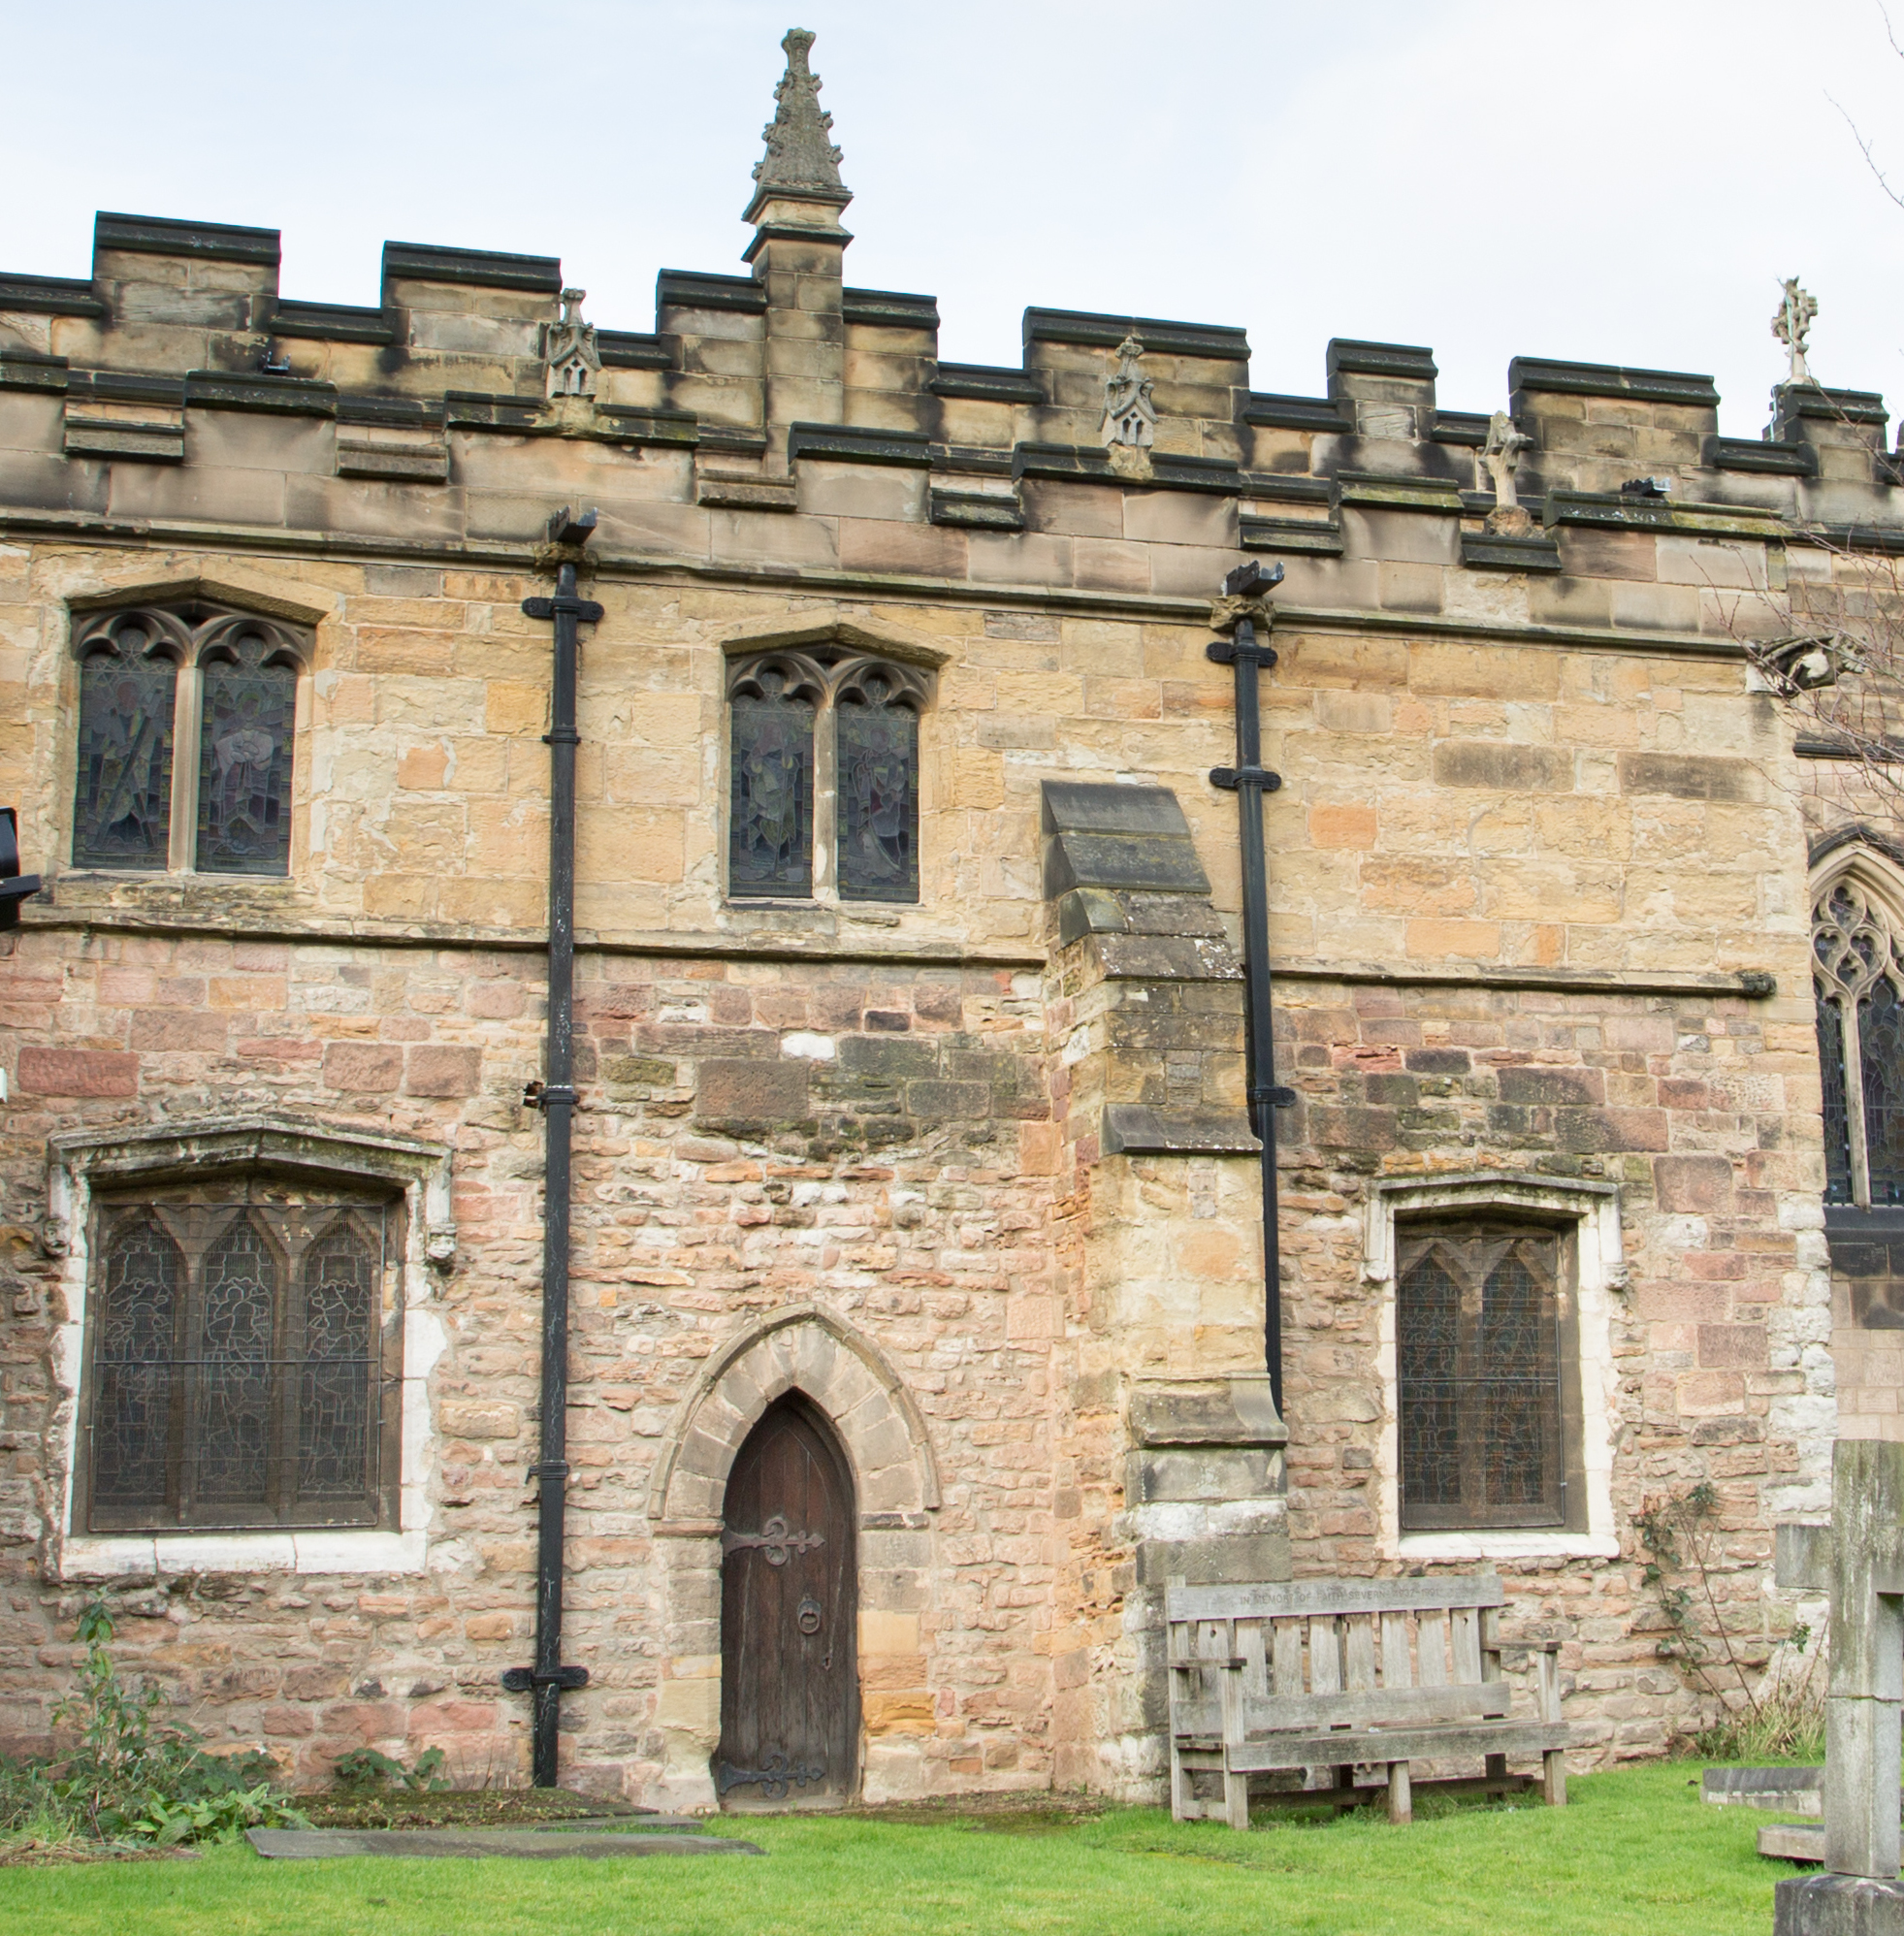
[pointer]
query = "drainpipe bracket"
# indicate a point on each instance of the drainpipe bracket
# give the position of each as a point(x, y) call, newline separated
point(523, 1680)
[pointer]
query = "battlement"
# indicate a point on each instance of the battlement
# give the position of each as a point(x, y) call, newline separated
point(768, 392)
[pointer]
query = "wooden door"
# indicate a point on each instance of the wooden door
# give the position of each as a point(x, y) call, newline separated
point(790, 1605)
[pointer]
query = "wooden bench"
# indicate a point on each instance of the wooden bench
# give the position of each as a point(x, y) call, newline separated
point(1396, 1671)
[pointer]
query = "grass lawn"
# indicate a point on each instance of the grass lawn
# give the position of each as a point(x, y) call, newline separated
point(1637, 1854)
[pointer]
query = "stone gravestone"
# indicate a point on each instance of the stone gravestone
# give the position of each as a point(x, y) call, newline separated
point(1859, 1560)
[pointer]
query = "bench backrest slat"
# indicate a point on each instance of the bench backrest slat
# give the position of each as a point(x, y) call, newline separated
point(1286, 1671)
point(1432, 1648)
point(1359, 1653)
point(1311, 1598)
point(1325, 1658)
point(1397, 1668)
point(1465, 1624)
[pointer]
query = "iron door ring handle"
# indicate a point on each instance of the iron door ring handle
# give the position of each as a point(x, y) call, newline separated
point(808, 1616)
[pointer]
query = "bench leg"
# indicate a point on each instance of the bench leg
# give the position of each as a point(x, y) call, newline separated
point(1400, 1803)
point(1236, 1799)
point(1182, 1806)
point(1497, 1767)
point(1554, 1766)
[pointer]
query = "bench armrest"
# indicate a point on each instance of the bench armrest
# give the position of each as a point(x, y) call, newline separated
point(1528, 1646)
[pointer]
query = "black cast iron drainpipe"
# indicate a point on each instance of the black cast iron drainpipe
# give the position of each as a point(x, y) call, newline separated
point(555, 1097)
point(15, 887)
point(1249, 781)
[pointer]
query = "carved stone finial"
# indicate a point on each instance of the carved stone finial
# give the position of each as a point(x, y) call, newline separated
point(799, 158)
point(1129, 415)
point(1500, 458)
point(569, 347)
point(1792, 324)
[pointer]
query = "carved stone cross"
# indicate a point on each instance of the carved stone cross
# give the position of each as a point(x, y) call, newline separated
point(1501, 456)
point(1792, 324)
point(1859, 1560)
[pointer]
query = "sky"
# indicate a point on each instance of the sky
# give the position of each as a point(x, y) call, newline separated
point(1611, 180)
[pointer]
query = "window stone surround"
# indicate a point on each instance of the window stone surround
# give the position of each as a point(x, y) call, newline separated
point(84, 1163)
point(1589, 1215)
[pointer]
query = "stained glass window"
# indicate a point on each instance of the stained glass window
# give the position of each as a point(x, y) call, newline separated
point(770, 839)
point(237, 1369)
point(1478, 1350)
point(878, 815)
point(231, 1410)
point(244, 757)
point(1858, 980)
point(135, 1358)
point(339, 1349)
point(122, 799)
point(824, 749)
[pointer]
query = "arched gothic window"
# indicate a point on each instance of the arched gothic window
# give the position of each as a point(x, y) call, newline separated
point(1858, 977)
point(185, 736)
point(823, 776)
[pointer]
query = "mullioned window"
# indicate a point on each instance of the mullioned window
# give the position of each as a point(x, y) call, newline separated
point(824, 777)
point(187, 731)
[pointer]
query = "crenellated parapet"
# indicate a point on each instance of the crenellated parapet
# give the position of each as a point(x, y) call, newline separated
point(786, 392)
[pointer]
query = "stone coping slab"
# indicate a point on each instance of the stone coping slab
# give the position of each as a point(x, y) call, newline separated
point(536, 1844)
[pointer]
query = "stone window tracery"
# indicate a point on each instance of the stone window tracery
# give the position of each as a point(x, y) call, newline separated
point(1859, 979)
point(823, 776)
point(241, 1364)
point(186, 730)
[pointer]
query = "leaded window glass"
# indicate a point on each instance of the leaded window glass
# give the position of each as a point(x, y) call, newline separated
point(878, 738)
point(247, 718)
point(770, 838)
point(825, 764)
point(243, 1368)
point(122, 797)
point(191, 698)
point(1478, 1336)
point(1858, 980)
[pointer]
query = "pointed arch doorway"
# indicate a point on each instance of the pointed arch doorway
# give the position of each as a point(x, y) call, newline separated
point(789, 1615)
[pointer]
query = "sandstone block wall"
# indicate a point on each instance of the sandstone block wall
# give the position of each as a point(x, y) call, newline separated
point(972, 1168)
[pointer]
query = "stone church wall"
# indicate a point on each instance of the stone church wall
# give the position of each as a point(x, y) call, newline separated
point(972, 1173)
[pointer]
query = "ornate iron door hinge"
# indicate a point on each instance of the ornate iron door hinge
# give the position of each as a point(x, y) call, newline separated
point(773, 1774)
point(774, 1542)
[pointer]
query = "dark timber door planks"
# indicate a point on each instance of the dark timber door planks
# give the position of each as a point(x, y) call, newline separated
point(790, 1683)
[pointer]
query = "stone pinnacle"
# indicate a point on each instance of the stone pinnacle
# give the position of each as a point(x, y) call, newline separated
point(799, 158)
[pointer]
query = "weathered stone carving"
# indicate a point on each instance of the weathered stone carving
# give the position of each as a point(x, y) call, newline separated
point(569, 349)
point(1130, 417)
point(799, 158)
point(1792, 324)
point(1500, 458)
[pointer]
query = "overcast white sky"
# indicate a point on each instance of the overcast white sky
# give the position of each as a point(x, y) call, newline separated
point(1615, 181)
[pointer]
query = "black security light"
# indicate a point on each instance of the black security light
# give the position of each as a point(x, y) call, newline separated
point(15, 887)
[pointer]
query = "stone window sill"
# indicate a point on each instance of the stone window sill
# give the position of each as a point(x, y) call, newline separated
point(144, 1555)
point(1498, 1545)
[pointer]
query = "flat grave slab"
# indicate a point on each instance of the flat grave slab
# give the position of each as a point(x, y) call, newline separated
point(1792, 1841)
point(533, 1844)
point(1786, 1790)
